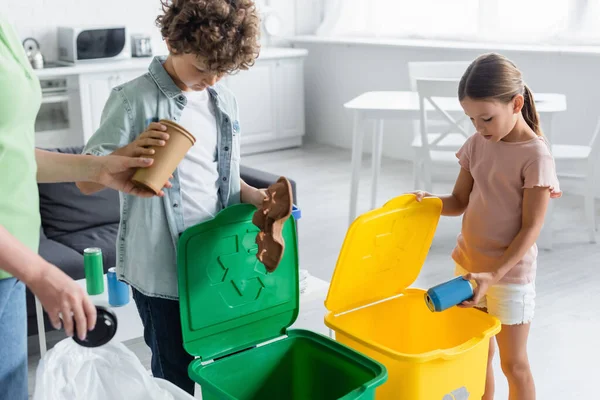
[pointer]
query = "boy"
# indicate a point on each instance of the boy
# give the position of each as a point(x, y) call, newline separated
point(206, 40)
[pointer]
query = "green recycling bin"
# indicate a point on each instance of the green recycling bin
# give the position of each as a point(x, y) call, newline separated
point(235, 316)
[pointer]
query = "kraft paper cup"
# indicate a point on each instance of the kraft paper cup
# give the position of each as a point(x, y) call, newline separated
point(166, 158)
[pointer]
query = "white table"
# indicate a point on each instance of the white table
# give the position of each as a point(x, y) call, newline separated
point(311, 315)
point(404, 105)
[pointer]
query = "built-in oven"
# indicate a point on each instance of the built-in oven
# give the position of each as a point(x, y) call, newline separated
point(58, 122)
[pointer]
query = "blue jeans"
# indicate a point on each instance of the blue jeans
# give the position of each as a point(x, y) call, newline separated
point(162, 333)
point(13, 340)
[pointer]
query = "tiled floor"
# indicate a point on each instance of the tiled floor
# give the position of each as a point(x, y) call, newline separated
point(563, 345)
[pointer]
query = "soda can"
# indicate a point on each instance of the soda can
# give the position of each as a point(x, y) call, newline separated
point(118, 291)
point(448, 294)
point(94, 270)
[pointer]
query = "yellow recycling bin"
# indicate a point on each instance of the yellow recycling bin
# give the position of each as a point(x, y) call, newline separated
point(429, 356)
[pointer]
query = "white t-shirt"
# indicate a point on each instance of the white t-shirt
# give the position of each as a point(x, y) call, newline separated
point(198, 172)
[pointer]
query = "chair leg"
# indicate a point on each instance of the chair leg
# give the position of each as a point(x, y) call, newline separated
point(416, 172)
point(590, 209)
point(357, 145)
point(377, 150)
point(427, 176)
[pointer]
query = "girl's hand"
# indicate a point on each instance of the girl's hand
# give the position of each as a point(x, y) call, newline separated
point(154, 136)
point(483, 281)
point(421, 194)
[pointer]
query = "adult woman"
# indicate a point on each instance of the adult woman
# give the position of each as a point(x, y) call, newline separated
point(21, 165)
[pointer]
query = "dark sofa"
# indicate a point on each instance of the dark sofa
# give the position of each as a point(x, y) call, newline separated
point(72, 222)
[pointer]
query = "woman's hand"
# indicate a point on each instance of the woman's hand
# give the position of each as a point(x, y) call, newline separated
point(62, 297)
point(483, 281)
point(116, 172)
point(154, 136)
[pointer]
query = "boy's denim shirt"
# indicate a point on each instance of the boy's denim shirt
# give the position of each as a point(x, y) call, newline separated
point(150, 227)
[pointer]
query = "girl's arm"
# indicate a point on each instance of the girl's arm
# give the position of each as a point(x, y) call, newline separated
point(456, 203)
point(535, 204)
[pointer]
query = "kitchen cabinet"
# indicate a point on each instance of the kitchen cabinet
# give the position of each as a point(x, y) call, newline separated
point(94, 90)
point(270, 96)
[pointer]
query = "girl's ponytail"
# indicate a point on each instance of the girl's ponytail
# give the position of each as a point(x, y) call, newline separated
point(530, 113)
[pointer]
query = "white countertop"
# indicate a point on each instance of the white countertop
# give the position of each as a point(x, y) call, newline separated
point(267, 53)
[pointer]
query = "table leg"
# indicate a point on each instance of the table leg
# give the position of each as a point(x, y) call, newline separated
point(39, 313)
point(357, 142)
point(377, 150)
point(546, 125)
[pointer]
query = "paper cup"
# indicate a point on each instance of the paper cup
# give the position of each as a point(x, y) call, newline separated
point(166, 158)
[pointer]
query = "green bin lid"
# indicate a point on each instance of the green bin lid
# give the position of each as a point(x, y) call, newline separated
point(228, 301)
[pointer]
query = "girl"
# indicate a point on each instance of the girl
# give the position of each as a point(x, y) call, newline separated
point(506, 180)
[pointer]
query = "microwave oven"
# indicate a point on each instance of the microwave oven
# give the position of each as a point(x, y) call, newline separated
point(80, 44)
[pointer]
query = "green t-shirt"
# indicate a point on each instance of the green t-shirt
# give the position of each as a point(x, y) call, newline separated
point(20, 97)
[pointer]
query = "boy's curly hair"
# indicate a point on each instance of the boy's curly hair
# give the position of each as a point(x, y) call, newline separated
point(223, 32)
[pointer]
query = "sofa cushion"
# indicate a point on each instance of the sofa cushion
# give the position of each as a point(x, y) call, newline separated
point(65, 209)
point(65, 258)
point(104, 237)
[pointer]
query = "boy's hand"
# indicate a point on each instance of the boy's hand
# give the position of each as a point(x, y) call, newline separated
point(258, 196)
point(155, 135)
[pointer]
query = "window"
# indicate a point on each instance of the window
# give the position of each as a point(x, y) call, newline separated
point(508, 21)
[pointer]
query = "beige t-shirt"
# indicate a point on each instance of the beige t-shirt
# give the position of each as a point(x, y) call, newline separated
point(501, 171)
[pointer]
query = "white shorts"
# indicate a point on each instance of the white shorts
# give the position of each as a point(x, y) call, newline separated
point(511, 303)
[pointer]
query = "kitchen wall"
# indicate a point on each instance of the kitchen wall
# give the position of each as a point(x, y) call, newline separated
point(336, 73)
point(39, 18)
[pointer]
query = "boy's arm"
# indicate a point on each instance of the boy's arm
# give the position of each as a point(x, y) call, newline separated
point(114, 131)
point(252, 195)
point(248, 194)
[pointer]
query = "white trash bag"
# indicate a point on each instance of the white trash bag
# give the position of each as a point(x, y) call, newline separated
point(70, 371)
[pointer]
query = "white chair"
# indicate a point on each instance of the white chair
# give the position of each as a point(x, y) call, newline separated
point(437, 147)
point(438, 154)
point(435, 69)
point(584, 160)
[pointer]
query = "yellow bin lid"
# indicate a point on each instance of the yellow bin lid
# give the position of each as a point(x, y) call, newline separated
point(383, 252)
